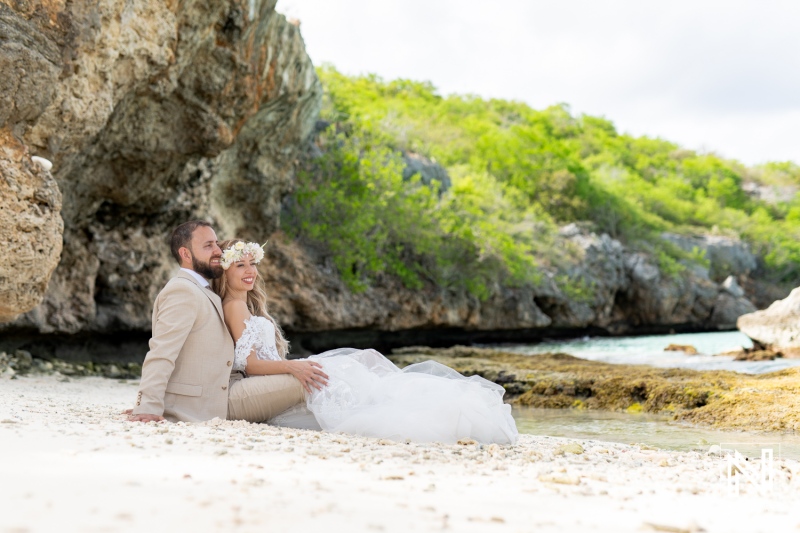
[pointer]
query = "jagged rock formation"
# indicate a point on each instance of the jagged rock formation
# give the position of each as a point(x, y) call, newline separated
point(624, 291)
point(429, 171)
point(153, 113)
point(727, 256)
point(30, 228)
point(776, 328)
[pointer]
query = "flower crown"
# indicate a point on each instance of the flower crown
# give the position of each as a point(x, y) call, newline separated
point(236, 252)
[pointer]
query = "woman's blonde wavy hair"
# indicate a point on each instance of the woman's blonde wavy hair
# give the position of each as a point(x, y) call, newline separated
point(256, 300)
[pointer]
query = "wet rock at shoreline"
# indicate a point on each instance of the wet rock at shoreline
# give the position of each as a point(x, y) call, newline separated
point(685, 348)
point(722, 399)
point(21, 363)
point(757, 353)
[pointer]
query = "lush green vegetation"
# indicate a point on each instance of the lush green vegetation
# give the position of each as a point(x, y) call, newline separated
point(517, 174)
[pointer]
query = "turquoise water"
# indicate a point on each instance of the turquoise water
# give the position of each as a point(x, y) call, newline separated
point(649, 350)
point(652, 430)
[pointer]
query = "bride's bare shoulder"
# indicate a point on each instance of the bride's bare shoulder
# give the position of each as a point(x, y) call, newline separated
point(235, 310)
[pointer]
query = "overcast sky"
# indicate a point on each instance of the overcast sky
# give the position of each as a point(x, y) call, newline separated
point(709, 75)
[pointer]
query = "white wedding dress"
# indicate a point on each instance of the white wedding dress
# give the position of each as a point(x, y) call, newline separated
point(368, 395)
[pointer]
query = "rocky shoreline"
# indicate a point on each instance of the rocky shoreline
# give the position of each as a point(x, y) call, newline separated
point(719, 399)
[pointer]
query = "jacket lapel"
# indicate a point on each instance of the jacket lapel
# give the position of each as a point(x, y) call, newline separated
point(211, 295)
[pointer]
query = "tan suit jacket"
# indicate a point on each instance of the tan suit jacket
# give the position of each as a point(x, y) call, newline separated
point(185, 374)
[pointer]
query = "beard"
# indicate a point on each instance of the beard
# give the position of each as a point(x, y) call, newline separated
point(206, 270)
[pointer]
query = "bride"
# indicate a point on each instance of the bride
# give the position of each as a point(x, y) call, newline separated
point(353, 391)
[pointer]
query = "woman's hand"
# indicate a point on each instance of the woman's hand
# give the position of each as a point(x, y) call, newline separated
point(309, 373)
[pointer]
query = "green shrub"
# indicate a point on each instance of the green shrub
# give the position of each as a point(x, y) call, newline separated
point(517, 173)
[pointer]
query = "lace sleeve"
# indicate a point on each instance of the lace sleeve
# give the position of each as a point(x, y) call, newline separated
point(258, 335)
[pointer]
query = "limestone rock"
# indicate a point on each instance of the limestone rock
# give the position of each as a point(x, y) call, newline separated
point(777, 328)
point(772, 194)
point(732, 287)
point(728, 308)
point(757, 355)
point(306, 296)
point(30, 228)
point(727, 256)
point(153, 112)
point(652, 298)
point(429, 171)
point(596, 276)
point(688, 349)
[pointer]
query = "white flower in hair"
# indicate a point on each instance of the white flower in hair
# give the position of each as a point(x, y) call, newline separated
point(239, 250)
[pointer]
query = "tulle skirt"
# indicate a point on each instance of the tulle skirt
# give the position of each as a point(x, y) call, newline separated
point(425, 402)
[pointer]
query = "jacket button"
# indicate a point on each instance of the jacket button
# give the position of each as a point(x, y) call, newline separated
point(224, 387)
point(230, 363)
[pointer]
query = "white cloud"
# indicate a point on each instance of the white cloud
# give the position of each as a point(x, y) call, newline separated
point(719, 75)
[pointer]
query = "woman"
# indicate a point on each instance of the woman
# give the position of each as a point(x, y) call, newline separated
point(356, 391)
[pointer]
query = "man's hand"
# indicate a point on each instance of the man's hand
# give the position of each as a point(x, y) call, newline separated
point(144, 417)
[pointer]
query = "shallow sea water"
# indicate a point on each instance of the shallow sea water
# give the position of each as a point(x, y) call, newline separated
point(654, 430)
point(649, 350)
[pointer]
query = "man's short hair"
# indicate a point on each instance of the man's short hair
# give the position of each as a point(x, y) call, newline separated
point(182, 237)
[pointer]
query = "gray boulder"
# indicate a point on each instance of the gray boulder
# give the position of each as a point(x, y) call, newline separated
point(428, 170)
point(655, 299)
point(726, 255)
point(730, 305)
point(728, 309)
point(731, 286)
point(584, 292)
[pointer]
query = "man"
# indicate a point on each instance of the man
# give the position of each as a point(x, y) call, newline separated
point(186, 373)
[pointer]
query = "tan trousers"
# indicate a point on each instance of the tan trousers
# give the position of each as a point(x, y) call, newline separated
point(259, 398)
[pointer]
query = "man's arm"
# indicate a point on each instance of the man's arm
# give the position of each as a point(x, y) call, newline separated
point(173, 322)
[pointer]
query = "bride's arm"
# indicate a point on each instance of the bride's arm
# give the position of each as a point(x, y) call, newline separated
point(309, 373)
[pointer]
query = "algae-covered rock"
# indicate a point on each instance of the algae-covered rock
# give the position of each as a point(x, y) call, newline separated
point(723, 399)
point(688, 349)
point(22, 363)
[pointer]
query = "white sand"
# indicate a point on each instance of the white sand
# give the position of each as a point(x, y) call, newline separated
point(70, 462)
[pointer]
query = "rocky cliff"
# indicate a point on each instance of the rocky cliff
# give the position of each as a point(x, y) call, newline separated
point(626, 293)
point(152, 112)
point(155, 112)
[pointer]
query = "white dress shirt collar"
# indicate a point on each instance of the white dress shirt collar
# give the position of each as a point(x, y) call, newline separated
point(200, 279)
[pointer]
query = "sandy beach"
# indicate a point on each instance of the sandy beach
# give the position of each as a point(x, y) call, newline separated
point(72, 463)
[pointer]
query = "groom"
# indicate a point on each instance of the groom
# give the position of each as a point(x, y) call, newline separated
point(186, 373)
